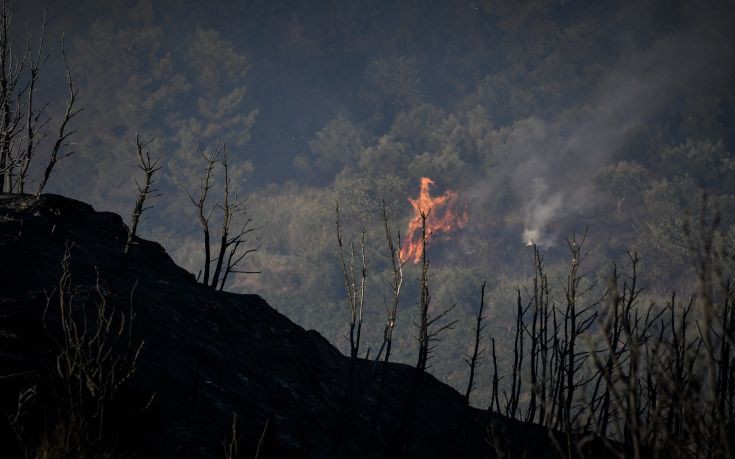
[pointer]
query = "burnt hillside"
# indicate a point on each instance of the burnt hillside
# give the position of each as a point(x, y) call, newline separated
point(205, 356)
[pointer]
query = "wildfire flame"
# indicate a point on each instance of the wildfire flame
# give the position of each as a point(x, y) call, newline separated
point(441, 218)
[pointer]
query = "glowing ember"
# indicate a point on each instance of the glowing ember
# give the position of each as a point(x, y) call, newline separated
point(441, 219)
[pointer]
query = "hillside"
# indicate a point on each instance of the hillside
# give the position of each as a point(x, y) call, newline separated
point(205, 356)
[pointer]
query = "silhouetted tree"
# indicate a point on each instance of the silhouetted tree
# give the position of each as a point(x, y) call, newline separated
point(236, 223)
point(62, 138)
point(205, 214)
point(477, 352)
point(149, 168)
point(232, 237)
point(396, 265)
point(11, 70)
point(355, 292)
point(34, 121)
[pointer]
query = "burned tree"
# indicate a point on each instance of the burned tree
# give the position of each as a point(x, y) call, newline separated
point(427, 334)
point(577, 319)
point(511, 402)
point(233, 207)
point(232, 242)
point(205, 184)
point(539, 341)
point(650, 380)
point(471, 361)
point(11, 70)
point(355, 293)
point(59, 152)
point(146, 189)
point(494, 406)
point(34, 121)
point(396, 265)
point(22, 125)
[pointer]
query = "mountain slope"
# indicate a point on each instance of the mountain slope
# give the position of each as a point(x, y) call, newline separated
point(205, 356)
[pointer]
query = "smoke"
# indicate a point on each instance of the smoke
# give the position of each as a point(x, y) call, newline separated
point(539, 212)
point(550, 160)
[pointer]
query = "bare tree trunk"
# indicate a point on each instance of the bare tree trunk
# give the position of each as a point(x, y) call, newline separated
point(424, 300)
point(355, 295)
point(231, 242)
point(571, 335)
point(537, 305)
point(149, 168)
point(5, 93)
point(226, 221)
point(397, 282)
point(511, 406)
point(33, 118)
point(494, 396)
point(545, 364)
point(477, 352)
point(204, 216)
point(11, 70)
point(63, 135)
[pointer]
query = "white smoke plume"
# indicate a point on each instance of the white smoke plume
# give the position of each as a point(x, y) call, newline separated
point(550, 160)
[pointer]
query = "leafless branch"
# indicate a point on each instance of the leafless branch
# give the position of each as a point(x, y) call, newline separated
point(149, 168)
point(63, 135)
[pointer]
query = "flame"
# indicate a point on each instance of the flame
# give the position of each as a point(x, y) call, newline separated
point(441, 219)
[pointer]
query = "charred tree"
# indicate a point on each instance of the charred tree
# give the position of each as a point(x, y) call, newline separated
point(471, 361)
point(204, 214)
point(237, 224)
point(396, 265)
point(59, 150)
point(145, 190)
point(231, 247)
point(34, 121)
point(355, 291)
point(11, 70)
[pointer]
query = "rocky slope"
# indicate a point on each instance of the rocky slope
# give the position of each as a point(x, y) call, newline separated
point(205, 357)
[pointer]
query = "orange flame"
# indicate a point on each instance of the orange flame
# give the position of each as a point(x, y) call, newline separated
point(441, 219)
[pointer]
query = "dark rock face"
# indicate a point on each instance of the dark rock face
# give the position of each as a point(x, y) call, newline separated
point(207, 355)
